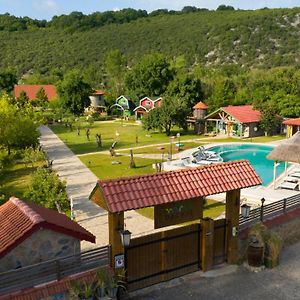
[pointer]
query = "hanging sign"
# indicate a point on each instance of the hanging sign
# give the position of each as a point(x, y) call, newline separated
point(178, 212)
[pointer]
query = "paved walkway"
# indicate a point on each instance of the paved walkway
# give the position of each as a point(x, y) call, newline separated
point(80, 182)
point(234, 283)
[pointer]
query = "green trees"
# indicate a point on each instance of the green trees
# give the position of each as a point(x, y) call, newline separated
point(261, 38)
point(7, 81)
point(150, 77)
point(74, 92)
point(115, 66)
point(47, 190)
point(186, 87)
point(173, 111)
point(268, 117)
point(22, 100)
point(17, 129)
point(41, 99)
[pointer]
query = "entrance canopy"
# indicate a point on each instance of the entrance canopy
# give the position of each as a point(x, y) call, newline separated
point(118, 195)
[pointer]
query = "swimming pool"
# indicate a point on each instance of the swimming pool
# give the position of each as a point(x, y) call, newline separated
point(255, 153)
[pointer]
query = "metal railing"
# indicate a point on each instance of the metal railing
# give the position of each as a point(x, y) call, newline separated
point(52, 270)
point(270, 210)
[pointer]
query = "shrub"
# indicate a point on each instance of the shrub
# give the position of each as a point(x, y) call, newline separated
point(47, 190)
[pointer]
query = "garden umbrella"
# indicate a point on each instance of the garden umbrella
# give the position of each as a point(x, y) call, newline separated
point(288, 151)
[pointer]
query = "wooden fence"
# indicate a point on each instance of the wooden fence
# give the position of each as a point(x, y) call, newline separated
point(270, 210)
point(51, 270)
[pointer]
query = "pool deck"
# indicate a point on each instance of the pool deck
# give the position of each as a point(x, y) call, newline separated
point(253, 195)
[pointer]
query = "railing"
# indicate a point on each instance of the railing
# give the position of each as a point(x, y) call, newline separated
point(270, 210)
point(52, 270)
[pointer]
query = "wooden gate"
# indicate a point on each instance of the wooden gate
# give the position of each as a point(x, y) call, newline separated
point(169, 254)
point(162, 256)
point(220, 245)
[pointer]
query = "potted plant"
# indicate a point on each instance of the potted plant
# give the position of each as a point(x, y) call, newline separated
point(101, 283)
point(273, 246)
point(255, 250)
point(112, 287)
point(74, 290)
point(87, 291)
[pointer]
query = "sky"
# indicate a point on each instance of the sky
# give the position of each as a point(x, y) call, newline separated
point(46, 9)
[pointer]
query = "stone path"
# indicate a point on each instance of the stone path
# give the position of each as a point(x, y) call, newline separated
point(80, 182)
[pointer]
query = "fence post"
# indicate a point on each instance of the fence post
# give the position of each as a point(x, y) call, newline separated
point(58, 275)
point(262, 209)
point(284, 205)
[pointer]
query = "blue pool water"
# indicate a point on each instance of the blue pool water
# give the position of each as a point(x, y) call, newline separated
point(256, 154)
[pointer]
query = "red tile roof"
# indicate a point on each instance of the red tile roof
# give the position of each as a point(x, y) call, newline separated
point(243, 113)
point(19, 219)
point(295, 122)
point(200, 105)
point(32, 89)
point(142, 191)
point(98, 92)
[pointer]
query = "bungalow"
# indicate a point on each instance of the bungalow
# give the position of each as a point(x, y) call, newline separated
point(97, 101)
point(30, 234)
point(292, 126)
point(124, 105)
point(32, 89)
point(241, 121)
point(146, 104)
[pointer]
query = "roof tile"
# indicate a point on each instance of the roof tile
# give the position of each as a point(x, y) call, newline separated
point(149, 190)
point(243, 113)
point(32, 89)
point(19, 219)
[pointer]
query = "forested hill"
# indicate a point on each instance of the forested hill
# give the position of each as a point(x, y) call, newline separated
point(260, 38)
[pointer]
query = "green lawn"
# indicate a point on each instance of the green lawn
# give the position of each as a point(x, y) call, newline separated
point(101, 165)
point(212, 209)
point(124, 133)
point(15, 180)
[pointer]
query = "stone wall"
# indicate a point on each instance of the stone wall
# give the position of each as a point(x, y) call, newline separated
point(40, 246)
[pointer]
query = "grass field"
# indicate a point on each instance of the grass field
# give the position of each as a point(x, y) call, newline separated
point(14, 180)
point(101, 165)
point(126, 134)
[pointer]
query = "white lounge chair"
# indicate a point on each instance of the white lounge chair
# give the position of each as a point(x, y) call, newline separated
point(295, 174)
point(291, 179)
point(288, 186)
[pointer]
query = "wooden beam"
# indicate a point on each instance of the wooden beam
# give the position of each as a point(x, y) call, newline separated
point(232, 217)
point(115, 224)
point(207, 251)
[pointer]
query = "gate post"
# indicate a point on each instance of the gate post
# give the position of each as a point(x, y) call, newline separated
point(232, 218)
point(115, 224)
point(207, 251)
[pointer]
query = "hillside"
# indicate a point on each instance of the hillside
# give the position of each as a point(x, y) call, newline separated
point(261, 38)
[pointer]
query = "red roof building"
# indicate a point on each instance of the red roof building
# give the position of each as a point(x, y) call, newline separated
point(200, 105)
point(243, 113)
point(19, 220)
point(98, 92)
point(32, 89)
point(241, 121)
point(146, 104)
point(142, 191)
point(293, 122)
point(292, 126)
